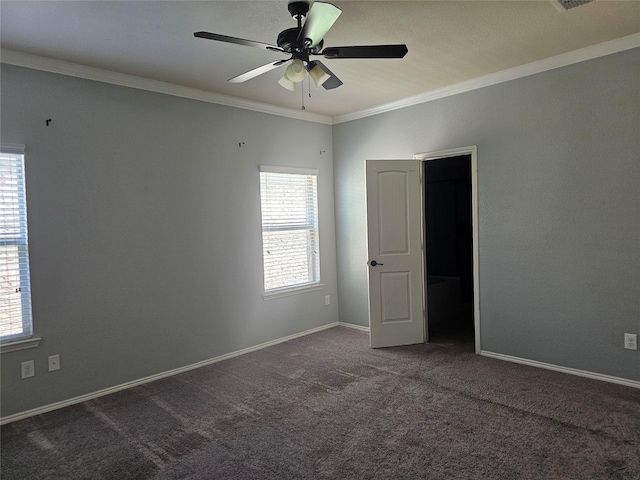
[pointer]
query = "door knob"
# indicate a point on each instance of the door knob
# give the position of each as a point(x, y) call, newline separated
point(373, 263)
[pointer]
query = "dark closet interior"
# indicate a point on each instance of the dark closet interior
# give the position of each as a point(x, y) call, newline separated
point(449, 249)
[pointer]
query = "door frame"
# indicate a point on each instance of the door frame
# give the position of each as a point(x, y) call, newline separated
point(456, 152)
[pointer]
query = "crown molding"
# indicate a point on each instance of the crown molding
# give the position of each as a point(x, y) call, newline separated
point(35, 62)
point(551, 63)
point(20, 59)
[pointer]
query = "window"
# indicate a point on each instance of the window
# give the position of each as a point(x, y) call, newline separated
point(15, 287)
point(290, 244)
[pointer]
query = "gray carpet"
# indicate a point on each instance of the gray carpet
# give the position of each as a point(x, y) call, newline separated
point(326, 406)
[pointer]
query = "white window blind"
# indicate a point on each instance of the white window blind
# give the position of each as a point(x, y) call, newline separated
point(289, 202)
point(15, 286)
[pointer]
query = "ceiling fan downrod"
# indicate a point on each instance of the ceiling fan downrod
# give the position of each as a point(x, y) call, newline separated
point(298, 10)
point(290, 39)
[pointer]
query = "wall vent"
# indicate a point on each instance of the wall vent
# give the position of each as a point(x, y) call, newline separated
point(564, 5)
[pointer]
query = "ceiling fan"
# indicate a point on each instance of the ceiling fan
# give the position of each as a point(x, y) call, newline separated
point(304, 41)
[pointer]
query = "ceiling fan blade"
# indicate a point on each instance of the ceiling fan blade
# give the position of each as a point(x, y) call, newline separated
point(319, 20)
point(257, 71)
point(333, 81)
point(366, 51)
point(238, 41)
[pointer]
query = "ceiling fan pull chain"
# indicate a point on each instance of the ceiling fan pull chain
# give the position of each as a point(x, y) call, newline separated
point(302, 94)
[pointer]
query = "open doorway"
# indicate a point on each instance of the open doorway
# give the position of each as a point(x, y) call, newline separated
point(397, 251)
point(449, 259)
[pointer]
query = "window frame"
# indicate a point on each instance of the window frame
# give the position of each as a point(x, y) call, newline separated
point(24, 339)
point(293, 288)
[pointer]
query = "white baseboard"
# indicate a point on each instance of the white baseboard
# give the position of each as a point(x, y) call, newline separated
point(557, 368)
point(158, 376)
point(355, 327)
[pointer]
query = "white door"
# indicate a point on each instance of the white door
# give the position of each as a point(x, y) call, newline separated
point(394, 225)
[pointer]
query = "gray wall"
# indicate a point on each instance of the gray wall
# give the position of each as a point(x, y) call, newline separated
point(144, 221)
point(144, 224)
point(559, 203)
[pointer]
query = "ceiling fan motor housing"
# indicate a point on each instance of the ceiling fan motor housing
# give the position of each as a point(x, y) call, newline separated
point(288, 40)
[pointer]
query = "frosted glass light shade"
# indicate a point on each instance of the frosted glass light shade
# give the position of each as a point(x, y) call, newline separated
point(296, 72)
point(318, 75)
point(286, 83)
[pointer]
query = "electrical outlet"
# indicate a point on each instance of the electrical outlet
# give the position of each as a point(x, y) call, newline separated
point(631, 341)
point(54, 363)
point(28, 369)
point(327, 299)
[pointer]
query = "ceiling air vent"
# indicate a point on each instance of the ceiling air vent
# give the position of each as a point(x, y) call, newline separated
point(564, 5)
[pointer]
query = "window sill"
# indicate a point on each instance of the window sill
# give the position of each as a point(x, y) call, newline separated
point(293, 291)
point(19, 345)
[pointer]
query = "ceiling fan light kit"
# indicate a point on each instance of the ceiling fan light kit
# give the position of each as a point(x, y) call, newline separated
point(317, 74)
point(304, 41)
point(286, 83)
point(295, 71)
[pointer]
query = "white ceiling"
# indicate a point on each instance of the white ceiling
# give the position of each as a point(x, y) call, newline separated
point(448, 41)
